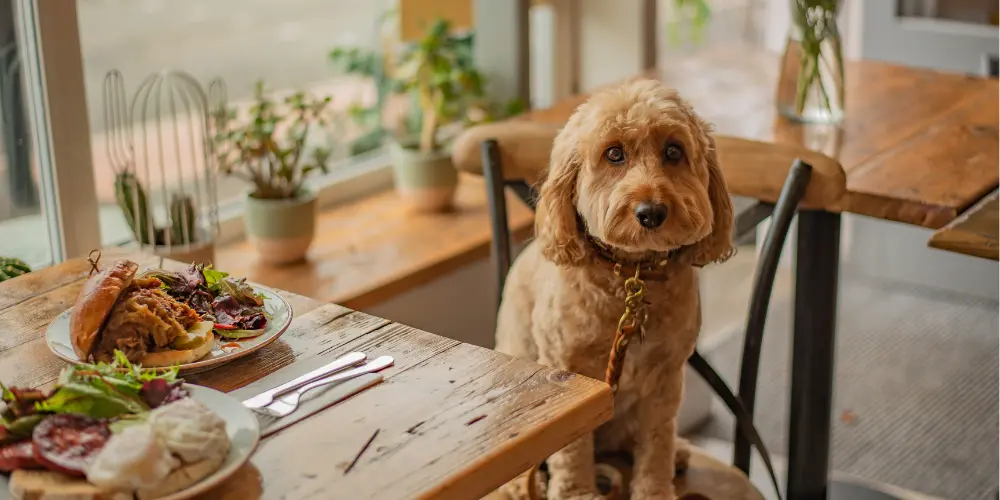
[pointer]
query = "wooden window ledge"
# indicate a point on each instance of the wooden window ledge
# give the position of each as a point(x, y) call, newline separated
point(372, 249)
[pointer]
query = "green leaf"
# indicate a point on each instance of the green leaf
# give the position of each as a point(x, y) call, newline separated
point(22, 427)
point(126, 421)
point(92, 400)
point(7, 395)
point(212, 276)
point(239, 290)
point(240, 334)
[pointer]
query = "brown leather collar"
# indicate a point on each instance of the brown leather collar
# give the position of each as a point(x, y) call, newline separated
point(654, 268)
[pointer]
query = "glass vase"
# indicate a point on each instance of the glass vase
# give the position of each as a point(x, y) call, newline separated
point(811, 82)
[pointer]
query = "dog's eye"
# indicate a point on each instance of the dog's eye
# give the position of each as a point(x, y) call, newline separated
point(614, 154)
point(673, 153)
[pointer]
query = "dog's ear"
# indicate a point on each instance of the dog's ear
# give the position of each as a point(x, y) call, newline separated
point(555, 221)
point(718, 245)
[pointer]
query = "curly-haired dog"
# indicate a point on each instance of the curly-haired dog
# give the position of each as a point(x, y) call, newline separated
point(633, 180)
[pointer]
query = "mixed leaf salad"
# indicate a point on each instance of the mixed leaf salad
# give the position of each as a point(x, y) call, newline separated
point(61, 428)
point(232, 304)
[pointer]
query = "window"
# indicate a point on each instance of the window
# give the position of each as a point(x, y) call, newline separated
point(57, 171)
point(286, 45)
point(22, 222)
point(45, 193)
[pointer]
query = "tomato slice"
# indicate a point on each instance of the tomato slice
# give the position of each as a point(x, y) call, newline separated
point(18, 456)
point(64, 443)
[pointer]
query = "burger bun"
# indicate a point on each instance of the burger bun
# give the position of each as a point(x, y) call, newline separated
point(200, 334)
point(95, 302)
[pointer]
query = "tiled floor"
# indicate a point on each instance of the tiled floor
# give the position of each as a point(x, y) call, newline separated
point(723, 450)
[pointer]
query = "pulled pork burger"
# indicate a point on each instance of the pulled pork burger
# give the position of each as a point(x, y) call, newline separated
point(117, 311)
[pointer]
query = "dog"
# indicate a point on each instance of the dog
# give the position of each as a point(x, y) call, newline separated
point(633, 182)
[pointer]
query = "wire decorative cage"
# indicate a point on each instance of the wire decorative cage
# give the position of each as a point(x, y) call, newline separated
point(160, 145)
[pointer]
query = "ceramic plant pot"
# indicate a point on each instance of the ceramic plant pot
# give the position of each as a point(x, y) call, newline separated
point(425, 181)
point(281, 230)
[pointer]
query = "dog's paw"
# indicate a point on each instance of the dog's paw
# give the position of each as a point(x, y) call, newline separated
point(558, 492)
point(586, 496)
point(654, 494)
point(682, 455)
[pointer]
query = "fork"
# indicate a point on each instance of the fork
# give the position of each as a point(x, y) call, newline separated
point(284, 406)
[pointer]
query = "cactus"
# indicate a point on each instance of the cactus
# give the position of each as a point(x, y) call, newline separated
point(12, 268)
point(131, 198)
point(182, 218)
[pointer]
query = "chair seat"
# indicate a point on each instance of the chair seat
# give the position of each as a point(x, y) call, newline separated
point(714, 479)
point(706, 478)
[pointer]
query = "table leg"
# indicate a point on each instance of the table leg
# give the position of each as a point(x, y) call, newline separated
point(817, 269)
point(816, 278)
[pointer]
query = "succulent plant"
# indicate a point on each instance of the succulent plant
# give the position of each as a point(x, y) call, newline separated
point(11, 268)
point(131, 198)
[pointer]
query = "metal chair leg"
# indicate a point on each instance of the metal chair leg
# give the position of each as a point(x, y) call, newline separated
point(493, 173)
point(767, 266)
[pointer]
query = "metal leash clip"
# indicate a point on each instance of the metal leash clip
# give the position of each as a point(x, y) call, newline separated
point(633, 320)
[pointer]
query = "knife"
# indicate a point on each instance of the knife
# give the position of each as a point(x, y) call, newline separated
point(267, 397)
point(271, 423)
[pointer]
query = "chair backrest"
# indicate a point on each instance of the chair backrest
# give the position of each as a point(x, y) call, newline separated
point(752, 169)
point(783, 178)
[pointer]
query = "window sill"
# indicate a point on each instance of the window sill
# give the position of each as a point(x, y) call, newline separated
point(371, 249)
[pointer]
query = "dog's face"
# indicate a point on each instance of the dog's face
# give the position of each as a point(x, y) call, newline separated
point(638, 166)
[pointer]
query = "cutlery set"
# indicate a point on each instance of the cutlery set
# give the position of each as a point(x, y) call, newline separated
point(283, 400)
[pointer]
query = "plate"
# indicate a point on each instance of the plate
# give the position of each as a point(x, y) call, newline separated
point(225, 351)
point(244, 434)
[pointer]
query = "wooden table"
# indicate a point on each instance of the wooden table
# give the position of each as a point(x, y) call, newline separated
point(917, 146)
point(454, 420)
point(974, 232)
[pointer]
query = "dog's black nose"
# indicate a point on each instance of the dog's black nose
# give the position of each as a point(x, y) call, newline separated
point(651, 215)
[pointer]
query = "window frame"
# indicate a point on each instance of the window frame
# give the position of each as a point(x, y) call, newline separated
point(49, 50)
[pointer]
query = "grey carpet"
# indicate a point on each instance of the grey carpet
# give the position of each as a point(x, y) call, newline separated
point(916, 388)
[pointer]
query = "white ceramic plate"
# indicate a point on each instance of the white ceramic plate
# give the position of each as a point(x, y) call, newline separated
point(244, 434)
point(58, 338)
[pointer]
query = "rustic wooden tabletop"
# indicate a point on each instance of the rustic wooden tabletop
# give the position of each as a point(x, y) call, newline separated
point(974, 232)
point(453, 420)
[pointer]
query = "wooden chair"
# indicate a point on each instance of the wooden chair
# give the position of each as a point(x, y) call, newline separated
point(782, 178)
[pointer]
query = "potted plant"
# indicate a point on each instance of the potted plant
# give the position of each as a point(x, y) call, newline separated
point(269, 150)
point(445, 90)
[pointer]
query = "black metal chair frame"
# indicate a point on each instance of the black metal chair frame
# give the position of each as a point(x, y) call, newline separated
point(742, 403)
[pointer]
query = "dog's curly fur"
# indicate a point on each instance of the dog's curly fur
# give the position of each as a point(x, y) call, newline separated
point(561, 307)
